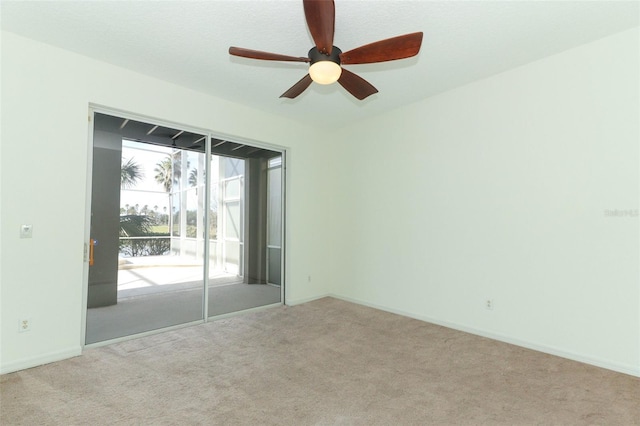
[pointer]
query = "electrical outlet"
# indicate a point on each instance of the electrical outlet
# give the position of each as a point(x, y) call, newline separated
point(24, 325)
point(488, 304)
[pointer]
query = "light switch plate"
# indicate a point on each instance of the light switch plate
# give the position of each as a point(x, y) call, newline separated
point(26, 231)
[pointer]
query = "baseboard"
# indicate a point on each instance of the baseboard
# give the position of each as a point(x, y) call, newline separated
point(23, 364)
point(620, 368)
point(293, 302)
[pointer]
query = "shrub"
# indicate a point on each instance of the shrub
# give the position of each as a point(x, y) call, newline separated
point(140, 226)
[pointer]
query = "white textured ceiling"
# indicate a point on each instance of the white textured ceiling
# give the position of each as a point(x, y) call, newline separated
point(186, 42)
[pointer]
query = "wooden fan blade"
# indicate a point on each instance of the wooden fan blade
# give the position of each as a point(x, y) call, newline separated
point(357, 86)
point(257, 54)
point(401, 47)
point(297, 88)
point(321, 18)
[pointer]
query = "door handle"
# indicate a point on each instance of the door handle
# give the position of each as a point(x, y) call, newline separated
point(92, 244)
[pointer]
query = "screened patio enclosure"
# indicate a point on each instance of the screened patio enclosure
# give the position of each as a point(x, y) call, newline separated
point(177, 219)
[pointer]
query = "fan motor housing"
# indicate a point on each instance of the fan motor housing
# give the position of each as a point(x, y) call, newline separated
point(316, 56)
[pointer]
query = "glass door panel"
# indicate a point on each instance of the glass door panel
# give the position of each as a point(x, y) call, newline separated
point(148, 262)
point(239, 258)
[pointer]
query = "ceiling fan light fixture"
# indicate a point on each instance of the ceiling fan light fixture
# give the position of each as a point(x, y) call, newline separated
point(325, 68)
point(325, 72)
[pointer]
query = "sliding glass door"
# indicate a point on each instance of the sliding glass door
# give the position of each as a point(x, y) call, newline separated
point(163, 202)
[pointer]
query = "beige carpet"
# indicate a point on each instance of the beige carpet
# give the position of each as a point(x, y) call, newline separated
point(327, 362)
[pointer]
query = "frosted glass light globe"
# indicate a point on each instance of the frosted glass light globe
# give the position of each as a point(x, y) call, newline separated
point(325, 72)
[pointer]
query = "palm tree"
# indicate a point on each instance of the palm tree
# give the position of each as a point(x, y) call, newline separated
point(166, 174)
point(177, 165)
point(163, 171)
point(193, 177)
point(169, 171)
point(134, 225)
point(130, 173)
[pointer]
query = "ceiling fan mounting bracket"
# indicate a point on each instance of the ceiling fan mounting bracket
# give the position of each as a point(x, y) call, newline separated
point(316, 56)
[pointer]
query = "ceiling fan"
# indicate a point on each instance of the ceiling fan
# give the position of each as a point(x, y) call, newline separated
point(326, 59)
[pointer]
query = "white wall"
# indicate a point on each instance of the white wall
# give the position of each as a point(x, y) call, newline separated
point(498, 190)
point(45, 98)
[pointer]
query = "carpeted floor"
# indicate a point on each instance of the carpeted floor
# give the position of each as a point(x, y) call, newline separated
point(327, 362)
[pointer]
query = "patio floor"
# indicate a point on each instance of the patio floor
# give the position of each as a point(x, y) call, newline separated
point(162, 291)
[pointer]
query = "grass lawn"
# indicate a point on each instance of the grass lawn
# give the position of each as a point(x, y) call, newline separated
point(160, 229)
